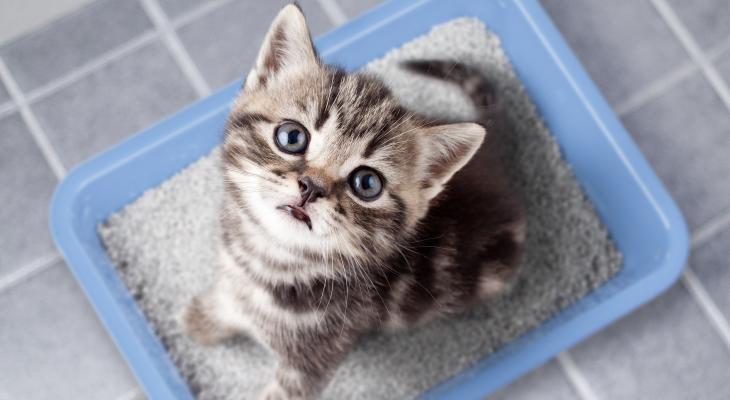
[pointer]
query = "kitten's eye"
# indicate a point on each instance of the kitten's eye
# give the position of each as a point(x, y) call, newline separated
point(291, 138)
point(366, 183)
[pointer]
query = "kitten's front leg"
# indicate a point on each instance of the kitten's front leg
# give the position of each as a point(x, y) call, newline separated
point(307, 361)
point(205, 319)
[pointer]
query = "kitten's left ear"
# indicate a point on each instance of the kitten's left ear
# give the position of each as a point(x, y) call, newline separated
point(447, 149)
point(287, 45)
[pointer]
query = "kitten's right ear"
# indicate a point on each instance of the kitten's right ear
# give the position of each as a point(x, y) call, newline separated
point(287, 45)
point(447, 149)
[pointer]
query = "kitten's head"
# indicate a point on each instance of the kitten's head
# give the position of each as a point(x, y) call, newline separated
point(330, 162)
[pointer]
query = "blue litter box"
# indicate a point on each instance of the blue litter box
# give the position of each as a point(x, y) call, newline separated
point(641, 217)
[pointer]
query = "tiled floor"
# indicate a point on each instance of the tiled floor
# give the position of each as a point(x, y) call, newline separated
point(73, 88)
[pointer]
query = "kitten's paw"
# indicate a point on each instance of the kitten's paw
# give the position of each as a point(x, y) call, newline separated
point(200, 326)
point(274, 391)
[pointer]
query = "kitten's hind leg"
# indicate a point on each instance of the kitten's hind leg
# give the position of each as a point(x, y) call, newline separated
point(204, 319)
point(501, 258)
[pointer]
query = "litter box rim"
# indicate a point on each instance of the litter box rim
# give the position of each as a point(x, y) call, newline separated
point(103, 184)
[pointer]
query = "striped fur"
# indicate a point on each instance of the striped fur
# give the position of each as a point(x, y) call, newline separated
point(445, 234)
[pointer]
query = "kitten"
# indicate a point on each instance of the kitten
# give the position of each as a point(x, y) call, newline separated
point(345, 213)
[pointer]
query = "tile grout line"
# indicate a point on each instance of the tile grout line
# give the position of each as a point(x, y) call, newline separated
point(27, 271)
point(7, 108)
point(108, 57)
point(693, 49)
point(115, 53)
point(91, 66)
point(694, 286)
point(576, 378)
point(566, 362)
point(655, 89)
point(49, 153)
point(133, 44)
point(707, 305)
point(59, 83)
point(172, 41)
point(198, 13)
point(710, 229)
point(334, 12)
point(667, 81)
point(696, 289)
point(718, 50)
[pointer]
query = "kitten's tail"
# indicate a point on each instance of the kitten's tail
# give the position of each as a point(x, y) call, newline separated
point(474, 84)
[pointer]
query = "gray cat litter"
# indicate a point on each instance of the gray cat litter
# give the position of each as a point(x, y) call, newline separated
point(163, 245)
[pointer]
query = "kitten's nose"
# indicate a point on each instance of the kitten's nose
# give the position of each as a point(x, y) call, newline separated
point(310, 190)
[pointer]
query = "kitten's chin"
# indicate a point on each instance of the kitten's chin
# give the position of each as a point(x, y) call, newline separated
point(289, 224)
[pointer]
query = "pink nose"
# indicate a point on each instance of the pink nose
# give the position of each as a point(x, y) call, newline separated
point(310, 190)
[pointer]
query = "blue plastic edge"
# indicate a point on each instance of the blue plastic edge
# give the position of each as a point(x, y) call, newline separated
point(142, 349)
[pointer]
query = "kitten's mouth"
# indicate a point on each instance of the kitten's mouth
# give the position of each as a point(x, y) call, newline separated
point(298, 213)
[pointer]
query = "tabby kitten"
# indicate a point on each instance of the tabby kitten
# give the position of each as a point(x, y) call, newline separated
point(345, 213)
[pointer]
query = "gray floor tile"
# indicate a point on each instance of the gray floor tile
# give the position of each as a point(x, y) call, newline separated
point(58, 48)
point(224, 43)
point(4, 96)
point(112, 103)
point(174, 8)
point(545, 383)
point(26, 184)
point(623, 44)
point(723, 66)
point(353, 8)
point(684, 135)
point(710, 264)
point(53, 346)
point(707, 20)
point(666, 350)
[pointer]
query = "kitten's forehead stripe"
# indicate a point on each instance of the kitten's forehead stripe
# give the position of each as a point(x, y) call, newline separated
point(370, 92)
point(330, 95)
point(324, 115)
point(363, 105)
point(381, 135)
